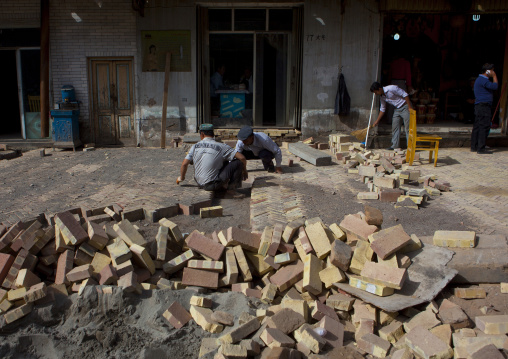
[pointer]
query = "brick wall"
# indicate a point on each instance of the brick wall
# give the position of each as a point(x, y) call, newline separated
point(19, 13)
point(109, 31)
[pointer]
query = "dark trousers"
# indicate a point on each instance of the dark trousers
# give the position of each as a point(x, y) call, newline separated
point(265, 156)
point(481, 127)
point(230, 175)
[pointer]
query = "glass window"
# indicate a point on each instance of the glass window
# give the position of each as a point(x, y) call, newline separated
point(250, 19)
point(219, 19)
point(280, 20)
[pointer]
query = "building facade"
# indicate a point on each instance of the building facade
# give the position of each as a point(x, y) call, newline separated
point(114, 54)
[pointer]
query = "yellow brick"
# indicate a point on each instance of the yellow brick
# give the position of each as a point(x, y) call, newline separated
point(331, 275)
point(142, 258)
point(414, 244)
point(337, 232)
point(492, 324)
point(285, 258)
point(5, 305)
point(18, 313)
point(16, 294)
point(202, 317)
point(99, 262)
point(298, 305)
point(258, 262)
point(363, 253)
point(504, 288)
point(454, 239)
point(390, 261)
point(299, 249)
point(470, 293)
point(340, 302)
point(311, 268)
point(266, 239)
point(148, 286)
point(319, 239)
point(119, 251)
point(372, 288)
point(201, 301)
point(231, 275)
point(242, 263)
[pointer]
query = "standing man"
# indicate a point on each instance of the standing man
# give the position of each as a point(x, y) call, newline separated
point(399, 98)
point(217, 166)
point(258, 145)
point(484, 94)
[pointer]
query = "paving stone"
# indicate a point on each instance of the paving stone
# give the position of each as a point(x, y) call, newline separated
point(427, 345)
point(455, 239)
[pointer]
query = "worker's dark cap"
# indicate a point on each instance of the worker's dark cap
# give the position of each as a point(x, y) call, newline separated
point(244, 133)
point(206, 127)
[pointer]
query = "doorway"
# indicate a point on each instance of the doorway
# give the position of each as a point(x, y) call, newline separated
point(10, 121)
point(249, 67)
point(112, 107)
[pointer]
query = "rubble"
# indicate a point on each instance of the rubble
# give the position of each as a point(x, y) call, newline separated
point(313, 283)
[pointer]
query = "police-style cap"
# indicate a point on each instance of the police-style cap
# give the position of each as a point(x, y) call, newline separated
point(244, 133)
point(206, 127)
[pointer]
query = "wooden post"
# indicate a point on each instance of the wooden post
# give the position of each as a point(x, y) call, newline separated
point(503, 110)
point(165, 100)
point(44, 69)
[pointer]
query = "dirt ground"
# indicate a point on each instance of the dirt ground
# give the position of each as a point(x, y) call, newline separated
point(126, 325)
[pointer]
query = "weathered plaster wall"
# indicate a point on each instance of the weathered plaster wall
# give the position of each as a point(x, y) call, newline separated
point(181, 109)
point(107, 31)
point(333, 40)
point(19, 14)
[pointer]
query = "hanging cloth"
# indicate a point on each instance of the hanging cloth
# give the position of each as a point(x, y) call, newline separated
point(342, 100)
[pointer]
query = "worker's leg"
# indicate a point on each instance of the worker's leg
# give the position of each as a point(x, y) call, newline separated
point(476, 127)
point(483, 115)
point(404, 112)
point(396, 123)
point(231, 174)
point(249, 155)
point(267, 157)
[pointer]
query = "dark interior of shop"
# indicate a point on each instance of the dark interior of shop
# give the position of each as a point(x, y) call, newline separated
point(9, 119)
point(445, 54)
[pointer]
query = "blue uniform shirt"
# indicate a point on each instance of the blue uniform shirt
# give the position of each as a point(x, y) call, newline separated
point(484, 90)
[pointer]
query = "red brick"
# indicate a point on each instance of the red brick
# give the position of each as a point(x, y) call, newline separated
point(286, 247)
point(185, 209)
point(247, 240)
point(321, 310)
point(249, 292)
point(287, 275)
point(79, 273)
point(49, 234)
point(203, 204)
point(390, 277)
point(334, 331)
point(6, 261)
point(17, 243)
point(389, 194)
point(143, 274)
point(30, 234)
point(373, 216)
point(3, 229)
point(276, 239)
point(200, 278)
point(204, 245)
point(98, 236)
point(286, 320)
point(71, 228)
point(7, 238)
point(64, 266)
point(340, 255)
point(176, 315)
point(304, 240)
point(108, 275)
point(129, 282)
point(356, 228)
point(30, 262)
point(389, 240)
point(15, 267)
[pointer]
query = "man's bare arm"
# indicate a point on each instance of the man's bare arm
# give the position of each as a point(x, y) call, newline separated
point(242, 158)
point(183, 170)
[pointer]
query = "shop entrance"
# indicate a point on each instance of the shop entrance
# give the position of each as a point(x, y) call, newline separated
point(249, 67)
point(445, 53)
point(10, 121)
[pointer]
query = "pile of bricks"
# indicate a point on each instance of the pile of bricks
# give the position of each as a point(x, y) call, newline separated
point(387, 176)
point(276, 135)
point(316, 144)
point(293, 268)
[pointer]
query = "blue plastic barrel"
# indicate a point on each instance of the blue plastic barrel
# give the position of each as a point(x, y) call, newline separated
point(68, 93)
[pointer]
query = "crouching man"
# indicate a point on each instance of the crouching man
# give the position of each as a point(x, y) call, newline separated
point(217, 166)
point(258, 145)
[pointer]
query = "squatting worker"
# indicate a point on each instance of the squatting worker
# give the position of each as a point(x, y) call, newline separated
point(217, 166)
point(399, 98)
point(484, 95)
point(258, 145)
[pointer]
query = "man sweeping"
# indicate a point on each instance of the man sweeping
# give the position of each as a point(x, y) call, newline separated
point(399, 98)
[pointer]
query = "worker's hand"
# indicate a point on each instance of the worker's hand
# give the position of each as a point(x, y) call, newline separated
point(245, 175)
point(375, 124)
point(278, 170)
point(180, 179)
point(491, 73)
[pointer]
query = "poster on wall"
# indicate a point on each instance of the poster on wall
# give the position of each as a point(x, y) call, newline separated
point(155, 45)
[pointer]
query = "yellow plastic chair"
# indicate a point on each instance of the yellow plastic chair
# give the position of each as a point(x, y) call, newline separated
point(34, 103)
point(420, 143)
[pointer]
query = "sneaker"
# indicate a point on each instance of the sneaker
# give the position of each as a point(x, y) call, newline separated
point(474, 150)
point(389, 149)
point(484, 152)
point(271, 169)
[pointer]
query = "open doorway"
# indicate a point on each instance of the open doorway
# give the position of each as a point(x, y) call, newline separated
point(10, 123)
point(249, 67)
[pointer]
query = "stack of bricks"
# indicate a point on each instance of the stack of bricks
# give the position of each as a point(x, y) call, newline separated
point(316, 144)
point(277, 135)
point(386, 175)
point(293, 268)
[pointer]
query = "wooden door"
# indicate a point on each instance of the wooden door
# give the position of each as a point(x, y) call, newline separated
point(112, 102)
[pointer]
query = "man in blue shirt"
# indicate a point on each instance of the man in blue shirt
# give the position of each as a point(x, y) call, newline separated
point(399, 98)
point(258, 145)
point(484, 94)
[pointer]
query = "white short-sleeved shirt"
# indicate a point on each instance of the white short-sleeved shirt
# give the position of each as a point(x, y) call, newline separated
point(394, 95)
point(208, 157)
point(262, 142)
